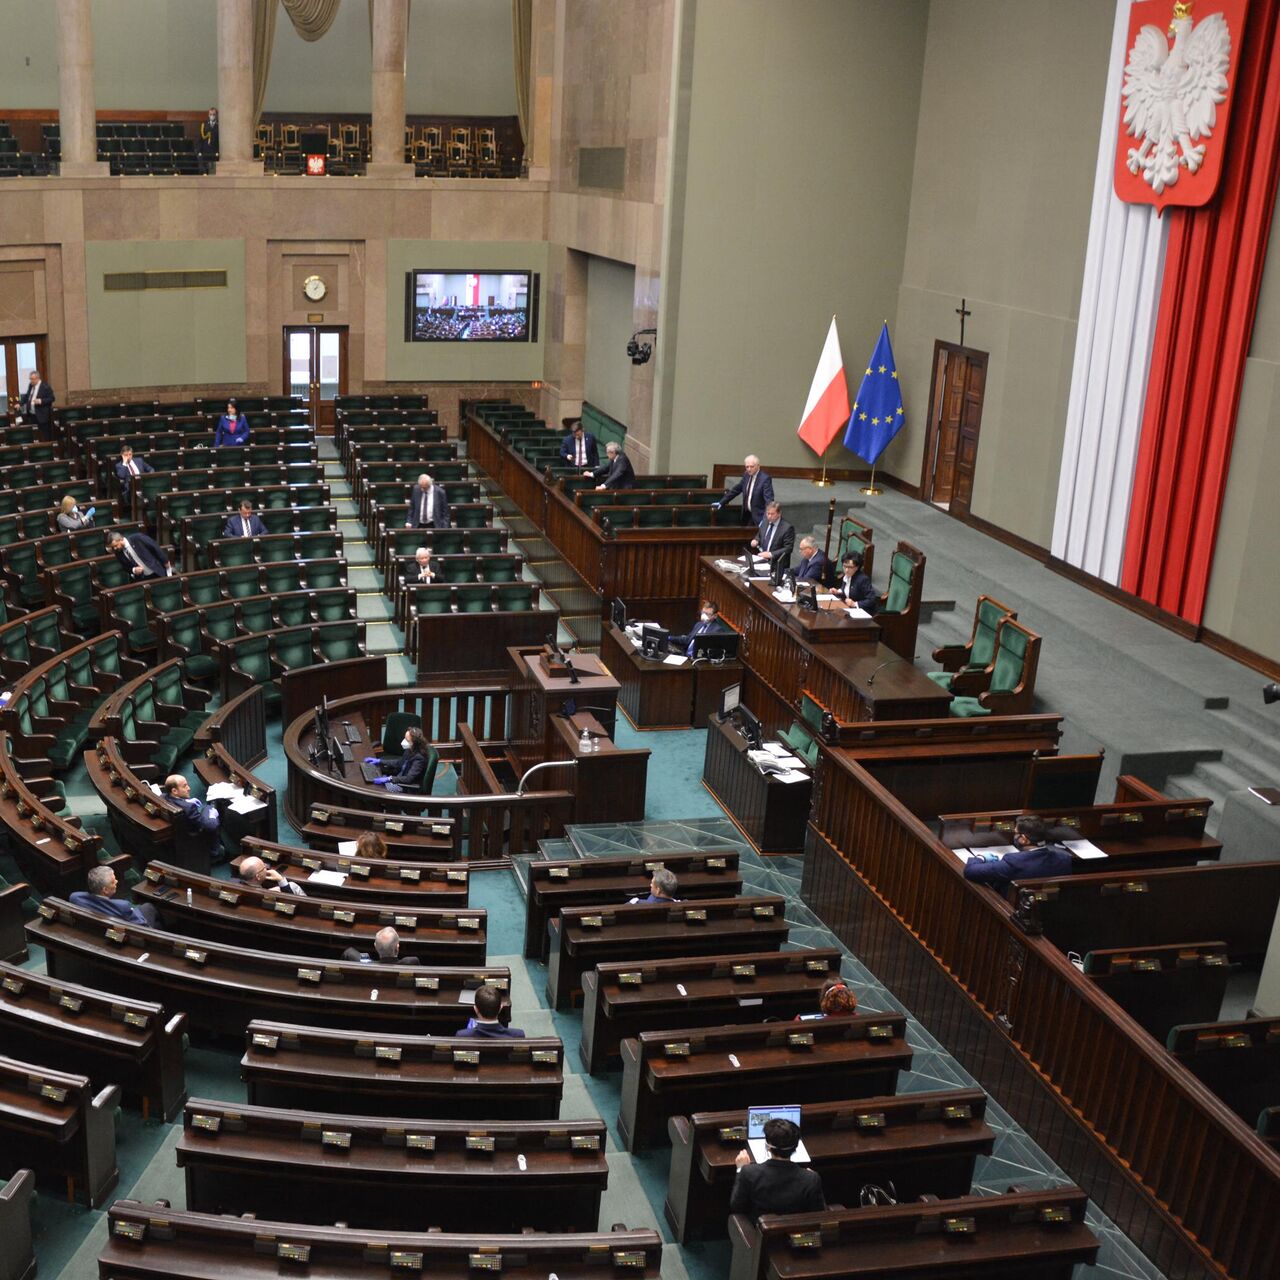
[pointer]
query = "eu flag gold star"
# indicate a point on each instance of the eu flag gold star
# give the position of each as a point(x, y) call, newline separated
point(895, 373)
point(862, 417)
point(868, 372)
point(899, 410)
point(883, 368)
point(875, 422)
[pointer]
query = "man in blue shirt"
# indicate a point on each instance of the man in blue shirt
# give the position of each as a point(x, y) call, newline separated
point(1034, 859)
point(102, 884)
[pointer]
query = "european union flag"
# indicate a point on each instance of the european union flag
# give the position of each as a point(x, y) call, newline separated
point(877, 412)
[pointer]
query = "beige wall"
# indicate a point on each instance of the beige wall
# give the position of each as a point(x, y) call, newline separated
point(28, 54)
point(166, 337)
point(1243, 602)
point(610, 303)
point(154, 55)
point(1000, 200)
point(796, 176)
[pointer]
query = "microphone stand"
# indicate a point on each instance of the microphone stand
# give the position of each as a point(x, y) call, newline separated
point(891, 662)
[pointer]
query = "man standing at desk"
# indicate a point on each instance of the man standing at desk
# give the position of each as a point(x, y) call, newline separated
point(36, 405)
point(709, 623)
point(141, 555)
point(579, 448)
point(855, 587)
point(775, 539)
point(616, 472)
point(756, 487)
point(814, 565)
point(428, 507)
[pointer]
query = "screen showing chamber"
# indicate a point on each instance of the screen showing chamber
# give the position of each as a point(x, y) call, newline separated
point(469, 306)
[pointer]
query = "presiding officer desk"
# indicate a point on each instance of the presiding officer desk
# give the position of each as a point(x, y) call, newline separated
point(219, 987)
point(838, 659)
point(466, 1175)
point(145, 1242)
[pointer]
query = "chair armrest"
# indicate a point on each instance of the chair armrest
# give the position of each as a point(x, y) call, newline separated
point(951, 657)
point(970, 682)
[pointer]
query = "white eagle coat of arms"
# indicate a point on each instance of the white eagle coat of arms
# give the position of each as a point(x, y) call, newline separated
point(1171, 96)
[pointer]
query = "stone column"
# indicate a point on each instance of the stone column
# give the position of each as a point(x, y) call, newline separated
point(390, 38)
point(235, 89)
point(77, 116)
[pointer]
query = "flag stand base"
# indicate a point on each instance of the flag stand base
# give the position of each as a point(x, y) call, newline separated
point(870, 489)
point(822, 482)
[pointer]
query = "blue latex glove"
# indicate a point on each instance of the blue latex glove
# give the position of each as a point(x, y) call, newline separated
point(371, 760)
point(381, 782)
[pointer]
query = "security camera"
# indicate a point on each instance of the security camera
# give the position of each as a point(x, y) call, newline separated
point(640, 352)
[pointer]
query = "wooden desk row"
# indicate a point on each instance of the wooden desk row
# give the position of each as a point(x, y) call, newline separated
point(480, 1176)
point(241, 915)
point(147, 1241)
point(220, 987)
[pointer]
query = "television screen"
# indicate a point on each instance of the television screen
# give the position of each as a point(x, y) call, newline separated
point(718, 646)
point(471, 306)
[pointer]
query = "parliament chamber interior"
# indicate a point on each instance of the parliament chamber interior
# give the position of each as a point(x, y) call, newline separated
point(493, 779)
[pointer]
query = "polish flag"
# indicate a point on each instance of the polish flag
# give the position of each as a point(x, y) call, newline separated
point(826, 412)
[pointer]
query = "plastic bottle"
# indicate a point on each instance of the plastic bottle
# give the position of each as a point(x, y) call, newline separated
point(585, 745)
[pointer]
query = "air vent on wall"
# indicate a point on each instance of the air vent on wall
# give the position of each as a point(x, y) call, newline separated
point(132, 281)
point(602, 167)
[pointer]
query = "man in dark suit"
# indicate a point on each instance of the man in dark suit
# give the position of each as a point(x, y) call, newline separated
point(778, 1185)
point(855, 587)
point(419, 568)
point(814, 565)
point(209, 138)
point(203, 821)
point(709, 623)
point(244, 525)
point(487, 1025)
point(756, 487)
point(579, 448)
point(428, 507)
point(616, 473)
point(386, 950)
point(36, 404)
point(127, 468)
point(1035, 858)
point(102, 884)
point(141, 555)
point(775, 539)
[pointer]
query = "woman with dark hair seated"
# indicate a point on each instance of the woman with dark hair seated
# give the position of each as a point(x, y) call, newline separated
point(413, 764)
point(835, 998)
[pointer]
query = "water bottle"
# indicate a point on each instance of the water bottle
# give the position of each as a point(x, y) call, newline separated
point(585, 745)
point(188, 895)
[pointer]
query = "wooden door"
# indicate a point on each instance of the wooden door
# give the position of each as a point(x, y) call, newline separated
point(315, 368)
point(18, 358)
point(955, 416)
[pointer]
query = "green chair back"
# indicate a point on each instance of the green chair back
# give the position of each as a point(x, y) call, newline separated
point(990, 615)
point(1011, 657)
point(474, 599)
point(433, 598)
point(901, 574)
point(515, 599)
point(293, 649)
point(237, 583)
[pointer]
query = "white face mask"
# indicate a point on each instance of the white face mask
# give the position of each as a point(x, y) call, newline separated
point(406, 744)
point(706, 617)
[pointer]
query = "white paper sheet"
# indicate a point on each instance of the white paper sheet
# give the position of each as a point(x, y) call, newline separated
point(791, 775)
point(246, 804)
point(221, 791)
point(675, 659)
point(335, 878)
point(1085, 849)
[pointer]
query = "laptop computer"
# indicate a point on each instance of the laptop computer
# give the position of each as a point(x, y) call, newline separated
point(757, 1118)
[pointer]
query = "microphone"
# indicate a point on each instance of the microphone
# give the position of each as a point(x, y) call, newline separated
point(892, 662)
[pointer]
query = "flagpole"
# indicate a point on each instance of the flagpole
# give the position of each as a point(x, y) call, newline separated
point(822, 482)
point(870, 489)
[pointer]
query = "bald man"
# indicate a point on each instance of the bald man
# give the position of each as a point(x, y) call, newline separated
point(428, 507)
point(202, 819)
point(255, 873)
point(386, 950)
point(756, 487)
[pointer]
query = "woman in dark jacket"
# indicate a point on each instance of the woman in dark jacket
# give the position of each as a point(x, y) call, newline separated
point(413, 764)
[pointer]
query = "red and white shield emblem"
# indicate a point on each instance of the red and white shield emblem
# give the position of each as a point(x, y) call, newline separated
point(1179, 79)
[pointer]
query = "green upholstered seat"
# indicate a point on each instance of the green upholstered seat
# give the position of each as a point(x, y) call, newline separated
point(257, 613)
point(292, 649)
point(130, 608)
point(321, 574)
point(983, 646)
point(470, 518)
point(253, 663)
point(618, 517)
point(458, 569)
point(339, 642)
point(967, 708)
point(164, 595)
point(901, 573)
point(330, 606)
point(474, 599)
point(485, 541)
point(515, 599)
point(219, 622)
point(499, 568)
point(234, 551)
point(274, 550)
point(799, 739)
point(653, 517)
point(447, 542)
point(279, 578)
point(1012, 644)
point(293, 609)
point(432, 598)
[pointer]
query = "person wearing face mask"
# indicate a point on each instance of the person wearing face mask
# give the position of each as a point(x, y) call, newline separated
point(709, 623)
point(1035, 857)
point(413, 764)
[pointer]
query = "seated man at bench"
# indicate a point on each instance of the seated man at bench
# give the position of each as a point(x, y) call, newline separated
point(419, 569)
point(777, 1185)
point(485, 1025)
point(386, 950)
point(662, 887)
point(244, 525)
point(202, 820)
point(102, 885)
point(255, 872)
point(1033, 857)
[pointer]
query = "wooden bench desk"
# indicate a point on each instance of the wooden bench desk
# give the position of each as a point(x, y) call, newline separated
point(1022, 1235)
point(402, 1075)
point(1163, 987)
point(578, 882)
point(129, 1043)
point(678, 1073)
point(399, 882)
point(220, 988)
point(243, 915)
point(461, 1174)
point(1234, 901)
point(924, 1143)
point(1239, 1061)
point(584, 937)
point(17, 1260)
point(621, 1000)
point(57, 1124)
